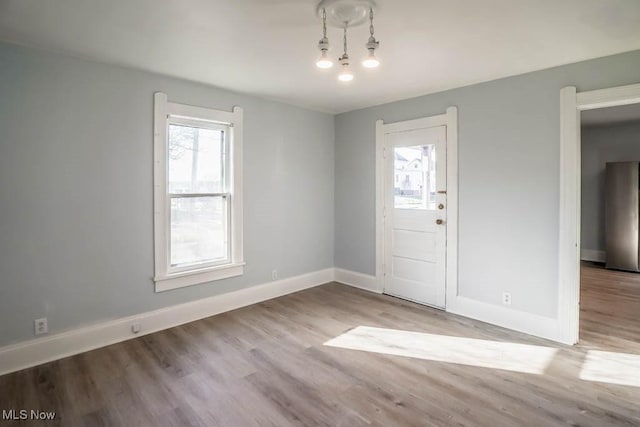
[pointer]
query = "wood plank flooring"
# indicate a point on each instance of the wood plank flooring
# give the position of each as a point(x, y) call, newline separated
point(268, 365)
point(609, 306)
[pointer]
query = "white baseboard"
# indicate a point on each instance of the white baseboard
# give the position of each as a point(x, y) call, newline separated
point(521, 321)
point(593, 255)
point(532, 324)
point(357, 280)
point(41, 350)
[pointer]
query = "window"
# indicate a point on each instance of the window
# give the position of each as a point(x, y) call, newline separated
point(418, 189)
point(198, 194)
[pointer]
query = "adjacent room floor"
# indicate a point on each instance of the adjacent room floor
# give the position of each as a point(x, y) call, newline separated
point(609, 308)
point(338, 356)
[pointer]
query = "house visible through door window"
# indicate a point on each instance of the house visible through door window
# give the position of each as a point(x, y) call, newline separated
point(415, 177)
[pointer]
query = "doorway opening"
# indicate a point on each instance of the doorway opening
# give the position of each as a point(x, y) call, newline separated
point(609, 231)
point(601, 305)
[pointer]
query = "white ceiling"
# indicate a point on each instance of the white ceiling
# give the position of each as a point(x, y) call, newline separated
point(268, 47)
point(611, 115)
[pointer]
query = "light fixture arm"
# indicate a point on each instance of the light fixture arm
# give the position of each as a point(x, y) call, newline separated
point(324, 23)
point(344, 59)
point(324, 61)
point(345, 40)
point(372, 44)
point(323, 44)
point(346, 75)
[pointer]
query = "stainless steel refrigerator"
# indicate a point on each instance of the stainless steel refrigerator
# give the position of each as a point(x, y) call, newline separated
point(622, 208)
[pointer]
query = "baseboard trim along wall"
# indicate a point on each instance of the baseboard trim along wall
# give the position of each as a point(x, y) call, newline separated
point(593, 255)
point(41, 350)
point(357, 280)
point(521, 321)
point(532, 324)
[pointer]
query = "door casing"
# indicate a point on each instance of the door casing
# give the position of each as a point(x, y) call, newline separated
point(450, 120)
point(572, 103)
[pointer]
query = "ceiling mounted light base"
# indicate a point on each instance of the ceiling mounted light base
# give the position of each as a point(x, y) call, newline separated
point(341, 13)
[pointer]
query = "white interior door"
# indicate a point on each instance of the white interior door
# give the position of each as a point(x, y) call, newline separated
point(415, 213)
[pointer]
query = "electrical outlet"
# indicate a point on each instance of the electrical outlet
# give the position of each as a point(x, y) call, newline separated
point(506, 298)
point(40, 326)
point(135, 327)
point(274, 275)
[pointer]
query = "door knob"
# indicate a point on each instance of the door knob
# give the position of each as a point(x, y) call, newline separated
point(439, 221)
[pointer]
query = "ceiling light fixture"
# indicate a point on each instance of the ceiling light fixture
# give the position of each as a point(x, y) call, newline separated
point(324, 61)
point(346, 75)
point(371, 61)
point(345, 14)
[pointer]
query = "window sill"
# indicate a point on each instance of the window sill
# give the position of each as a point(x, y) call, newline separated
point(196, 277)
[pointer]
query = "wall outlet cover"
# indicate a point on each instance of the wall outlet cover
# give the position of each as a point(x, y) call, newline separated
point(506, 298)
point(40, 326)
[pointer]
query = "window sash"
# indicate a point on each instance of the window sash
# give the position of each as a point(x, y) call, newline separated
point(226, 197)
point(225, 159)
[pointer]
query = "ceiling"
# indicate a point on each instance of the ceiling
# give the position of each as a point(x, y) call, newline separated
point(268, 47)
point(611, 115)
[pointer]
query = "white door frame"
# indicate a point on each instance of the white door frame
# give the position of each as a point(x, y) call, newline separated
point(571, 104)
point(450, 120)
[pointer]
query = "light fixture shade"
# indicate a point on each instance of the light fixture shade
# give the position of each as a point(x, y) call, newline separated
point(346, 75)
point(324, 61)
point(371, 61)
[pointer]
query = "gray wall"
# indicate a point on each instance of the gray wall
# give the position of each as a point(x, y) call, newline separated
point(76, 216)
point(509, 178)
point(602, 144)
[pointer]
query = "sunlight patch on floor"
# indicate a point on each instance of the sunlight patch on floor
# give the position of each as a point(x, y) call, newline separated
point(612, 368)
point(530, 359)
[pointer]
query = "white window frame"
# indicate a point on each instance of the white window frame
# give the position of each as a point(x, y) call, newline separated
point(166, 112)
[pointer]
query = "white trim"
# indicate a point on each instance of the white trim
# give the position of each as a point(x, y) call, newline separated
point(35, 352)
point(160, 225)
point(194, 277)
point(568, 240)
point(422, 123)
point(164, 111)
point(610, 97)
point(571, 103)
point(593, 255)
point(532, 324)
point(358, 280)
point(380, 205)
point(237, 176)
point(201, 113)
point(452, 204)
point(450, 120)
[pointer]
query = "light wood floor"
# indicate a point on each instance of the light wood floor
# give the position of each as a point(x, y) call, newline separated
point(268, 365)
point(609, 307)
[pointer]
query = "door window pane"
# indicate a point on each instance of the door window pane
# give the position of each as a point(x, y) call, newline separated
point(195, 160)
point(198, 230)
point(415, 177)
